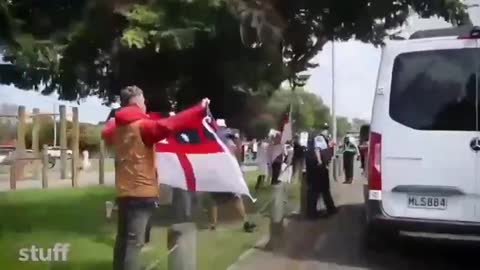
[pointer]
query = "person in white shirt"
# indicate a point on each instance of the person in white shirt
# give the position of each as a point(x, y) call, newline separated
point(287, 166)
point(254, 149)
point(263, 163)
point(85, 160)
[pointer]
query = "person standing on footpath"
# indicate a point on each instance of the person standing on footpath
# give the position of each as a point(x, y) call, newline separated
point(318, 179)
point(133, 136)
point(349, 150)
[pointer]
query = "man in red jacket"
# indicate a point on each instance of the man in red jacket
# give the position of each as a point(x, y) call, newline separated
point(133, 135)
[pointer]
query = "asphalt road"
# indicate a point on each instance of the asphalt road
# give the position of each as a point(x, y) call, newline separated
point(341, 245)
point(338, 243)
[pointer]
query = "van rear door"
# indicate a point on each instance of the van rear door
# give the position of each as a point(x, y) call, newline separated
point(429, 168)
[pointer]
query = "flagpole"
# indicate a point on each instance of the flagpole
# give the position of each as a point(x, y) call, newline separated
point(335, 161)
point(334, 115)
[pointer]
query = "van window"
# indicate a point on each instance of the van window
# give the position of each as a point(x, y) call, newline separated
point(436, 90)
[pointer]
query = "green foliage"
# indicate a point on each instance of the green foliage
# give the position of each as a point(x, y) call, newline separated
point(181, 51)
point(135, 37)
point(308, 112)
point(343, 126)
point(89, 134)
point(7, 131)
point(357, 123)
point(45, 132)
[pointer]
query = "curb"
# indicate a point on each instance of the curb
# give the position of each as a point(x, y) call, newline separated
point(247, 253)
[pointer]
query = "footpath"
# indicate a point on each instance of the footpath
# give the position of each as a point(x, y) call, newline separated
point(305, 239)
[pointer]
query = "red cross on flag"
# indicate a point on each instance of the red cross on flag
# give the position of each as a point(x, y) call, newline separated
point(196, 159)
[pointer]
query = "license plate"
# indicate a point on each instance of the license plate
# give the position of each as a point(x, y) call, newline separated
point(427, 202)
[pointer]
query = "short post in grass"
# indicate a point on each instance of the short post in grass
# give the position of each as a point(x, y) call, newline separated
point(101, 163)
point(63, 142)
point(182, 235)
point(20, 146)
point(74, 146)
point(45, 165)
point(36, 144)
point(277, 216)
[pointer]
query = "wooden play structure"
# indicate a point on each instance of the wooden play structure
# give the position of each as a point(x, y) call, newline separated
point(38, 156)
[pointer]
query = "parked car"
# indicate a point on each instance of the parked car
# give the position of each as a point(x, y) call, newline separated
point(424, 146)
point(5, 154)
point(54, 152)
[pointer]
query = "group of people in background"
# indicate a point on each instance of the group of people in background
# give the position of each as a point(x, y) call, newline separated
point(273, 166)
point(312, 161)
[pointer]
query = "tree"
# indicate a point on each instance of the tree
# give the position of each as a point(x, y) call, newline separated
point(45, 131)
point(89, 134)
point(180, 51)
point(90, 138)
point(343, 126)
point(308, 112)
point(357, 123)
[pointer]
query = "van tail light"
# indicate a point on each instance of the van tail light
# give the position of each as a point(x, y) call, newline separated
point(374, 162)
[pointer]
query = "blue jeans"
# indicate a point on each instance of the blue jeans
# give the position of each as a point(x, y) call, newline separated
point(133, 224)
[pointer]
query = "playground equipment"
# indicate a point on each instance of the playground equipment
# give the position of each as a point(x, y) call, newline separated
point(40, 158)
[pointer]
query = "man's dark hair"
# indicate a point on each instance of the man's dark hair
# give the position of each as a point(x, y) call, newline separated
point(129, 92)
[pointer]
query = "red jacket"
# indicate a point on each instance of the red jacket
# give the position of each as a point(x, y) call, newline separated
point(133, 134)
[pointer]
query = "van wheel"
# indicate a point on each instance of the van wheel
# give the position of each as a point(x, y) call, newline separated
point(378, 240)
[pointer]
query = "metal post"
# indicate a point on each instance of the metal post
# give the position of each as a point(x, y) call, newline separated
point(277, 216)
point(182, 236)
point(36, 143)
point(74, 146)
point(182, 242)
point(45, 166)
point(63, 142)
point(101, 163)
point(334, 114)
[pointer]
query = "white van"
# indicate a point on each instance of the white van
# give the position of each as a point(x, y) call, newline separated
point(424, 147)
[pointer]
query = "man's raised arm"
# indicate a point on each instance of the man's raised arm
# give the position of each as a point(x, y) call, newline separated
point(154, 131)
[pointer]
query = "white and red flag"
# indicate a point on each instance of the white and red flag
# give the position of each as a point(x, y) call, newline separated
point(196, 159)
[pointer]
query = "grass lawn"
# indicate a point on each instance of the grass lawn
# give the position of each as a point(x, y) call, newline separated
point(77, 216)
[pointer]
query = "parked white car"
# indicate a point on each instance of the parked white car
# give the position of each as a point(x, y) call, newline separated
point(424, 148)
point(54, 152)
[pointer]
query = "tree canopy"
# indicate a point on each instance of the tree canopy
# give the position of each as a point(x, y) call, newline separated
point(179, 51)
point(308, 112)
